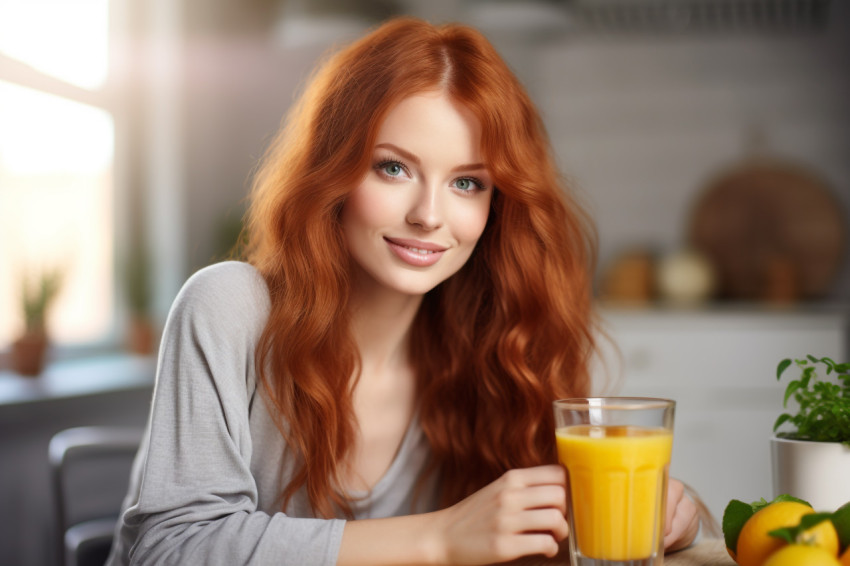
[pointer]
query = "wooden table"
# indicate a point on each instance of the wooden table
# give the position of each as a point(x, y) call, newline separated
point(708, 552)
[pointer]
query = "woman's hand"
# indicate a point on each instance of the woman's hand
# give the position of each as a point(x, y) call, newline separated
point(681, 523)
point(521, 513)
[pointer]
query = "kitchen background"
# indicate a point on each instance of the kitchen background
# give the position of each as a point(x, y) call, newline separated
point(671, 118)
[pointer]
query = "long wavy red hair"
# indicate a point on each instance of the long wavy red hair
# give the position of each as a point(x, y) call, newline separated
point(493, 345)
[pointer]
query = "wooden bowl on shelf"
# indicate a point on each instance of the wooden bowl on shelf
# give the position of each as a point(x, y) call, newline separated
point(773, 231)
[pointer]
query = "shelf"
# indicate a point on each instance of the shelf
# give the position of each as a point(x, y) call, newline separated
point(79, 377)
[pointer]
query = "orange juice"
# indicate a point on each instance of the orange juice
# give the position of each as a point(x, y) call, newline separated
point(618, 484)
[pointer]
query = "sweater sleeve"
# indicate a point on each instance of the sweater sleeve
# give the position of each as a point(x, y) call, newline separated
point(197, 501)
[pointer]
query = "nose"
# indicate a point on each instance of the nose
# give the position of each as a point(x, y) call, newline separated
point(425, 209)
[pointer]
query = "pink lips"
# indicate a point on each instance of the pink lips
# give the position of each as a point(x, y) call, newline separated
point(416, 252)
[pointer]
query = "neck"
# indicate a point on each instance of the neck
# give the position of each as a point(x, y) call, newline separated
point(381, 325)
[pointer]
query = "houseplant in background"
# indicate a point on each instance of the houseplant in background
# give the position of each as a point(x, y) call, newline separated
point(37, 296)
point(812, 461)
point(137, 278)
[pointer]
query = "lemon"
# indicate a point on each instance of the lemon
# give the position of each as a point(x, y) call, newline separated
point(823, 535)
point(755, 543)
point(801, 555)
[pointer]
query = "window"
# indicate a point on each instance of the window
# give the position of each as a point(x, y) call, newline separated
point(56, 164)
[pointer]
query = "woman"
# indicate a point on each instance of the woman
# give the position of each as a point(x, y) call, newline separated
point(417, 292)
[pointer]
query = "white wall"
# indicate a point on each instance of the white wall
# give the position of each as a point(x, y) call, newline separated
point(641, 123)
point(236, 90)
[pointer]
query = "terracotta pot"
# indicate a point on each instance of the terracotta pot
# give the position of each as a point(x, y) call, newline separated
point(140, 336)
point(816, 472)
point(28, 353)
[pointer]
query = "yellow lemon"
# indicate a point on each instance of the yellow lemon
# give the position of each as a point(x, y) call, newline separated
point(754, 542)
point(801, 555)
point(823, 535)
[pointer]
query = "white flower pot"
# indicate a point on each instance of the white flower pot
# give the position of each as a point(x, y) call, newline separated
point(817, 472)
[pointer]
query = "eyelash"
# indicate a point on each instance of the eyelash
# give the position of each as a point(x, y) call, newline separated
point(381, 164)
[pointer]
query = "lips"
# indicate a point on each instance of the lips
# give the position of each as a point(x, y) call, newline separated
point(415, 252)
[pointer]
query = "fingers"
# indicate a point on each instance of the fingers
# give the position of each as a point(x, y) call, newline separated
point(530, 544)
point(532, 504)
point(521, 513)
point(675, 492)
point(550, 521)
point(539, 475)
point(682, 523)
point(535, 499)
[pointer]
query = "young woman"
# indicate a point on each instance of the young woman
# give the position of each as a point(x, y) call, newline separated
point(374, 385)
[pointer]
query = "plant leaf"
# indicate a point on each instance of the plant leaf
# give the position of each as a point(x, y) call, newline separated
point(792, 534)
point(812, 358)
point(841, 521)
point(783, 365)
point(788, 534)
point(792, 387)
point(734, 516)
point(812, 519)
point(784, 417)
point(760, 504)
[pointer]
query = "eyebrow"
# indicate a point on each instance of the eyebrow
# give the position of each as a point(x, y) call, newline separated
point(410, 157)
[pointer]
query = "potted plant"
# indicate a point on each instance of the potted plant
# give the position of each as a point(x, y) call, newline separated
point(140, 331)
point(28, 351)
point(812, 461)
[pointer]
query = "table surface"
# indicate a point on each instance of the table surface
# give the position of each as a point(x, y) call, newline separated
point(707, 552)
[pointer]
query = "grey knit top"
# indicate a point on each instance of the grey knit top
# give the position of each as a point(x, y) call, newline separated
point(206, 483)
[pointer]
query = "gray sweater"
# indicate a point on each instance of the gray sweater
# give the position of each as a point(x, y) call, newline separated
point(206, 483)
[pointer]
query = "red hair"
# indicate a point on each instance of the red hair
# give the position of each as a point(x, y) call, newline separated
point(493, 345)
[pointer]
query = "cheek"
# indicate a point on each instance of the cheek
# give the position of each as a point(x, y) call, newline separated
point(470, 221)
point(366, 208)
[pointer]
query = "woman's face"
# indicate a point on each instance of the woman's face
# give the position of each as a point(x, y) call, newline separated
point(416, 216)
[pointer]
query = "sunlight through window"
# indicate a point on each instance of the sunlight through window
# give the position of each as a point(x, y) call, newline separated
point(56, 208)
point(56, 169)
point(67, 40)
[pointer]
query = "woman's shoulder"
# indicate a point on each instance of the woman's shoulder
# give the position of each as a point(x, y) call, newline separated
point(225, 290)
point(227, 274)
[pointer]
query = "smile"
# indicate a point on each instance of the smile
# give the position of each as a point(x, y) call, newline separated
point(416, 253)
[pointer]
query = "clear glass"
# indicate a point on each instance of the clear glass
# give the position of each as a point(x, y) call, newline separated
point(617, 454)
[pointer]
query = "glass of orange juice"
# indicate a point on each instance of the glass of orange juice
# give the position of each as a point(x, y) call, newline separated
point(617, 454)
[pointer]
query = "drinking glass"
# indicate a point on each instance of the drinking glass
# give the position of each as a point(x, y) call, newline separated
point(617, 454)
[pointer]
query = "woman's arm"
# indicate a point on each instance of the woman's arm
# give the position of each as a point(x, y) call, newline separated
point(521, 513)
point(195, 499)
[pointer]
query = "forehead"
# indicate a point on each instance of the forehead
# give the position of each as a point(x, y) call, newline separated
point(430, 121)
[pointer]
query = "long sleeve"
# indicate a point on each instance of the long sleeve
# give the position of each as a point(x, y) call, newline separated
point(194, 497)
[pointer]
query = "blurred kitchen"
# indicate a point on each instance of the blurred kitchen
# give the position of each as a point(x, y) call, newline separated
point(710, 140)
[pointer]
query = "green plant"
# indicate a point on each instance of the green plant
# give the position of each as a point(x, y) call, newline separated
point(38, 296)
point(824, 405)
point(137, 273)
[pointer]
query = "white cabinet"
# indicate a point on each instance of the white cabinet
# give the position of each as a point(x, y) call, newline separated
point(720, 367)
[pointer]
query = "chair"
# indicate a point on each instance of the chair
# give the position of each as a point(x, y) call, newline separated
point(90, 469)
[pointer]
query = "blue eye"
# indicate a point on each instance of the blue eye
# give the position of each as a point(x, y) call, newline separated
point(393, 169)
point(468, 184)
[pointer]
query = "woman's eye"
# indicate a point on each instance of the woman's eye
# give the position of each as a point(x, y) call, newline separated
point(392, 169)
point(466, 184)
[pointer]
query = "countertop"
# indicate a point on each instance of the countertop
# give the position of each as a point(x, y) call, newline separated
point(707, 552)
